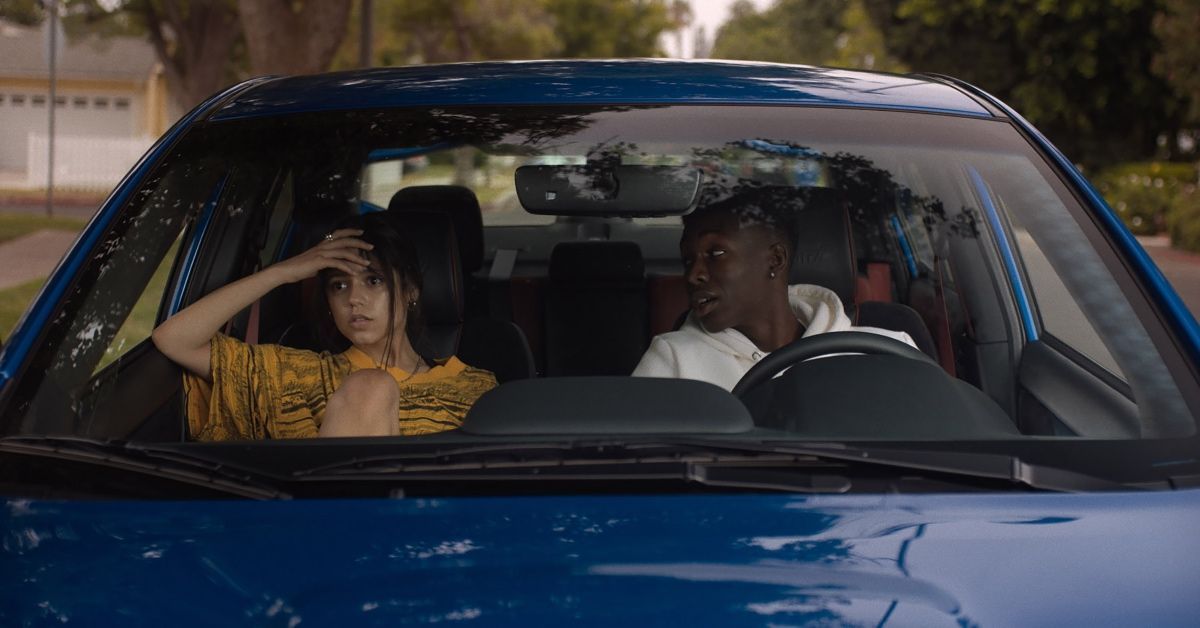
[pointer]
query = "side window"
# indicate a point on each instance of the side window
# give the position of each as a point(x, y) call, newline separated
point(1061, 314)
point(140, 321)
point(110, 308)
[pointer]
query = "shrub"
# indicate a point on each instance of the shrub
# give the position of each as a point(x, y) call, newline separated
point(1183, 219)
point(1145, 194)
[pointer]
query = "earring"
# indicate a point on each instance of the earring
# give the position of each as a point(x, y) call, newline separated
point(412, 304)
point(772, 274)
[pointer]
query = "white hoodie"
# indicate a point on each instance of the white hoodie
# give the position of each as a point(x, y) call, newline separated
point(724, 357)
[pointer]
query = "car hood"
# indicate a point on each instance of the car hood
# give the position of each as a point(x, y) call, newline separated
point(1009, 559)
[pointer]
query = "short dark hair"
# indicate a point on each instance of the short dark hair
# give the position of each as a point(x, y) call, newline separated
point(772, 207)
point(397, 256)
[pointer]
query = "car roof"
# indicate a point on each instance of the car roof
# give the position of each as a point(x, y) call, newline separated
point(606, 82)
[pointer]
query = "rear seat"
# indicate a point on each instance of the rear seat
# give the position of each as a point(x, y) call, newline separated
point(825, 256)
point(595, 308)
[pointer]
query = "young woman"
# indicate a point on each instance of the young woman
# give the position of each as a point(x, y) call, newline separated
point(736, 255)
point(381, 385)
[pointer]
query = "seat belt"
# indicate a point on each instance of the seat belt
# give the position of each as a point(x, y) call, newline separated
point(252, 324)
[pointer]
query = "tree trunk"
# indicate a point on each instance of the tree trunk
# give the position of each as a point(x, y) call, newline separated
point(192, 40)
point(286, 37)
point(464, 166)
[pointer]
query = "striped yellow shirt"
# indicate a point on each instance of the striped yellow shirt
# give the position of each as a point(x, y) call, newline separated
point(271, 391)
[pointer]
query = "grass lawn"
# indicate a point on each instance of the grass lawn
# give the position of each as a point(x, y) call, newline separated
point(13, 302)
point(13, 226)
point(136, 328)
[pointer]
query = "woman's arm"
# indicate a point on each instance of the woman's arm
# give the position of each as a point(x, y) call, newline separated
point(184, 338)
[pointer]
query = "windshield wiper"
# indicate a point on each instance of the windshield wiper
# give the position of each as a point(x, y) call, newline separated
point(749, 464)
point(150, 460)
point(748, 469)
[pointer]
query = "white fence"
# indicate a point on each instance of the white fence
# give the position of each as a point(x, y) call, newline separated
point(83, 163)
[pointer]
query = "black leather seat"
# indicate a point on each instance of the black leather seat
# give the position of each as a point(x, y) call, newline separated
point(497, 346)
point(824, 256)
point(595, 316)
point(441, 302)
point(462, 207)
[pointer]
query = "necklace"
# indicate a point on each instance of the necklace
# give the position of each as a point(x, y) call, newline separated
point(416, 368)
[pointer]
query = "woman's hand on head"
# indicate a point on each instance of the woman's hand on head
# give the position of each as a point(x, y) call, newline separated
point(341, 250)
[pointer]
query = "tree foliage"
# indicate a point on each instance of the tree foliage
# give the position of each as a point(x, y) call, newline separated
point(432, 31)
point(23, 12)
point(611, 29)
point(816, 32)
point(1075, 68)
point(1178, 61)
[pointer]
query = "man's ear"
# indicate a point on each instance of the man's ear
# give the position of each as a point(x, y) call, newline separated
point(777, 258)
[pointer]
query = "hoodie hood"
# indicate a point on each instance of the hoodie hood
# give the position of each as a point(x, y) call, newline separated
point(817, 308)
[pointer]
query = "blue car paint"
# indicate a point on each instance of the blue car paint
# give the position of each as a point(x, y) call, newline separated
point(951, 560)
point(599, 82)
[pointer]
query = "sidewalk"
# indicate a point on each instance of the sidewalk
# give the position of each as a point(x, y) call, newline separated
point(32, 256)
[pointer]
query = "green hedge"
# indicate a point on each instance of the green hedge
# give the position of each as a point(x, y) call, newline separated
point(1154, 197)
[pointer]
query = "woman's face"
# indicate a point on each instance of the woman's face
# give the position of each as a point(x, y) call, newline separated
point(727, 269)
point(359, 303)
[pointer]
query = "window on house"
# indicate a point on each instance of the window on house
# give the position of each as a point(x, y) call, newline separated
point(79, 102)
point(100, 103)
point(38, 100)
point(60, 101)
point(121, 104)
point(2, 99)
point(18, 100)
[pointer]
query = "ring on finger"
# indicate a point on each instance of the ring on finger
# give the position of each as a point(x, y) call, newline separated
point(328, 237)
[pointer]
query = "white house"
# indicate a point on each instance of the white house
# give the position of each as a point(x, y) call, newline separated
point(111, 102)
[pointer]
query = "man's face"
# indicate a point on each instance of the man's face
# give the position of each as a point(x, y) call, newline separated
point(726, 267)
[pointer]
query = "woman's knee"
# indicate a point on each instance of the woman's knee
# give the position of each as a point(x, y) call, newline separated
point(371, 386)
point(367, 403)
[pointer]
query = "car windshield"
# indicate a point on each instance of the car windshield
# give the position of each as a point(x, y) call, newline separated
point(1020, 330)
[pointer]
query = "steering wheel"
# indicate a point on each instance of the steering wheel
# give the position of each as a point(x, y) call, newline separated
point(825, 344)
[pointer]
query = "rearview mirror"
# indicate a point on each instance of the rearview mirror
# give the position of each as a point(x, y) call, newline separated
point(602, 190)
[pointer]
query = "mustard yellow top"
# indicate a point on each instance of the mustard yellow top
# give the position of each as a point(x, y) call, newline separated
point(271, 391)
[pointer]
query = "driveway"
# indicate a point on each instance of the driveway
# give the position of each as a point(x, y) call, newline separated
point(1181, 268)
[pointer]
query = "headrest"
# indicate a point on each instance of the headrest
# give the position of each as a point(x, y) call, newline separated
point(597, 260)
point(437, 249)
point(460, 204)
point(824, 253)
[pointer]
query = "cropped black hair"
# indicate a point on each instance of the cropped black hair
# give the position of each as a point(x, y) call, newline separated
point(771, 207)
point(397, 257)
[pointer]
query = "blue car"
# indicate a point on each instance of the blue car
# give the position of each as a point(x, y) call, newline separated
point(995, 425)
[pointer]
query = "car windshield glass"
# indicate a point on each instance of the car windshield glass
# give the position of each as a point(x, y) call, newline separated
point(990, 311)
